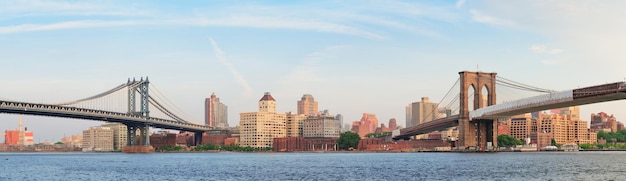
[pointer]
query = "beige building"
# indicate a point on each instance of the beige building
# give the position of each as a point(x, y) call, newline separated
point(323, 126)
point(294, 124)
point(563, 125)
point(98, 139)
point(73, 141)
point(307, 105)
point(422, 112)
point(258, 129)
point(120, 135)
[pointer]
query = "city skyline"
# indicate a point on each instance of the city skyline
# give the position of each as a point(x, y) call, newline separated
point(354, 57)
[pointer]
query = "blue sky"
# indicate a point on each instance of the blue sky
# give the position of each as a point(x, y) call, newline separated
point(352, 56)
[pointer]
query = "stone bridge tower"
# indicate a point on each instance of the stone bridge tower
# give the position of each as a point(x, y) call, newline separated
point(477, 132)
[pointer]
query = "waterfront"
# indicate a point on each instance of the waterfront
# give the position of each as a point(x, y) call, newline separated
point(313, 166)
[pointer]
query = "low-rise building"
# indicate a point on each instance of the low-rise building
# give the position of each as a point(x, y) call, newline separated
point(323, 126)
point(98, 139)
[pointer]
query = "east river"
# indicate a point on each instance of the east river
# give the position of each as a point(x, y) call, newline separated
point(314, 166)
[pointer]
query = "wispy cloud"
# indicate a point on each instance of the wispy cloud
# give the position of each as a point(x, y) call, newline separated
point(460, 3)
point(71, 25)
point(43, 8)
point(544, 49)
point(286, 23)
point(483, 18)
point(343, 18)
point(221, 57)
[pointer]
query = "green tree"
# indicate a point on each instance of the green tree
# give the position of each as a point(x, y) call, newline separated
point(348, 139)
point(506, 140)
point(553, 142)
point(58, 143)
point(586, 146)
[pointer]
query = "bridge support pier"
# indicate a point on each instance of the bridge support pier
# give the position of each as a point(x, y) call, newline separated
point(138, 142)
point(478, 133)
point(197, 138)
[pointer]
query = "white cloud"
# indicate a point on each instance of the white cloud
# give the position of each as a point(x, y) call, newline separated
point(366, 19)
point(42, 8)
point(221, 57)
point(589, 30)
point(285, 23)
point(543, 49)
point(70, 25)
point(483, 18)
point(460, 3)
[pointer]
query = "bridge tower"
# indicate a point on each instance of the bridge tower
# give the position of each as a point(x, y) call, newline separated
point(141, 130)
point(476, 132)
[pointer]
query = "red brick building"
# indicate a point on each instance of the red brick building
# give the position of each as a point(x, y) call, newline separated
point(291, 144)
point(402, 145)
point(215, 139)
point(163, 139)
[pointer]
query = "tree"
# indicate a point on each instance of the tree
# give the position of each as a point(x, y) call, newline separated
point(553, 142)
point(348, 139)
point(506, 140)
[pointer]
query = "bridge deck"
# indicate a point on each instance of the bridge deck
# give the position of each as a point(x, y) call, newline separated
point(98, 115)
point(581, 96)
point(434, 125)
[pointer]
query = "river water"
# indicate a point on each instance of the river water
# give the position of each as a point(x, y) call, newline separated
point(314, 166)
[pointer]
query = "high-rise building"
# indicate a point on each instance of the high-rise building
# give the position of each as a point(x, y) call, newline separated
point(294, 124)
point(604, 122)
point(367, 125)
point(120, 135)
point(215, 112)
point(98, 139)
point(423, 111)
point(408, 110)
point(258, 129)
point(322, 126)
point(307, 105)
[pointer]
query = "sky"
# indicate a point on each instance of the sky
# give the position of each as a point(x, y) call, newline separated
point(354, 57)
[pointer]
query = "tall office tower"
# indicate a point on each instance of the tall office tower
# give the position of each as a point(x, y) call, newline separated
point(98, 139)
point(408, 110)
point(120, 134)
point(423, 111)
point(215, 112)
point(258, 129)
point(307, 105)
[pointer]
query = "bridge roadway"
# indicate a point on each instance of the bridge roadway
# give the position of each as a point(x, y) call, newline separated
point(98, 115)
point(575, 97)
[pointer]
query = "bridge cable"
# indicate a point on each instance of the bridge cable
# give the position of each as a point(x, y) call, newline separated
point(168, 103)
point(443, 98)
